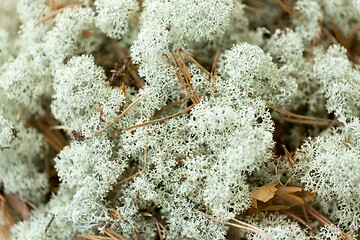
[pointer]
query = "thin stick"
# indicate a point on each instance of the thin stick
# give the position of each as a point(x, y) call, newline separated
point(341, 39)
point(138, 173)
point(214, 66)
point(168, 107)
point(115, 234)
point(247, 7)
point(54, 13)
point(352, 35)
point(298, 218)
point(305, 214)
point(191, 84)
point(109, 234)
point(234, 225)
point(60, 127)
point(329, 35)
point(117, 118)
point(158, 228)
point(137, 235)
point(307, 122)
point(47, 227)
point(197, 64)
point(166, 231)
point(159, 120)
point(92, 237)
point(324, 220)
point(186, 75)
point(180, 79)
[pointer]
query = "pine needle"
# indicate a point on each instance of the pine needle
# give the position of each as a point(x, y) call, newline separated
point(179, 77)
point(54, 13)
point(159, 120)
point(117, 118)
point(194, 61)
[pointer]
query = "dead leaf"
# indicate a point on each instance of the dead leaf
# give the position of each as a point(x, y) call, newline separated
point(264, 193)
point(274, 197)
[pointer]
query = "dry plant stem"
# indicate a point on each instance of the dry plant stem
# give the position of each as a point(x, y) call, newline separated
point(159, 120)
point(137, 235)
point(92, 237)
point(113, 234)
point(308, 122)
point(214, 66)
point(117, 118)
point(60, 127)
point(116, 214)
point(166, 231)
point(298, 218)
point(324, 220)
point(186, 75)
point(255, 10)
point(286, 8)
point(329, 35)
point(252, 229)
point(305, 214)
point(47, 226)
point(159, 231)
point(197, 64)
point(168, 107)
point(352, 35)
point(339, 36)
point(180, 79)
point(238, 221)
point(53, 14)
point(191, 84)
point(138, 173)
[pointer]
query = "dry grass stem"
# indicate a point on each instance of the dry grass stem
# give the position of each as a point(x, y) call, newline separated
point(138, 173)
point(255, 10)
point(252, 228)
point(159, 120)
point(117, 118)
point(298, 219)
point(179, 78)
point(92, 237)
point(191, 84)
point(159, 231)
point(318, 216)
point(166, 231)
point(194, 61)
point(308, 122)
point(168, 107)
point(54, 13)
point(214, 67)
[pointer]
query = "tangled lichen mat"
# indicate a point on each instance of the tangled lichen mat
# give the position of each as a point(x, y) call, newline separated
point(179, 119)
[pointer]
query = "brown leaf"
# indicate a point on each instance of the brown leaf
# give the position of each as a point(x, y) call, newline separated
point(18, 206)
point(264, 193)
point(274, 197)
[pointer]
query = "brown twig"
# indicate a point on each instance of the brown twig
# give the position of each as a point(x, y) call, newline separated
point(188, 77)
point(54, 13)
point(117, 118)
point(179, 78)
point(298, 218)
point(312, 211)
point(168, 107)
point(159, 232)
point(194, 61)
point(138, 173)
point(213, 69)
point(252, 228)
point(159, 120)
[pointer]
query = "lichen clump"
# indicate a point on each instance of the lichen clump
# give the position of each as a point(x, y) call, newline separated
point(156, 119)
